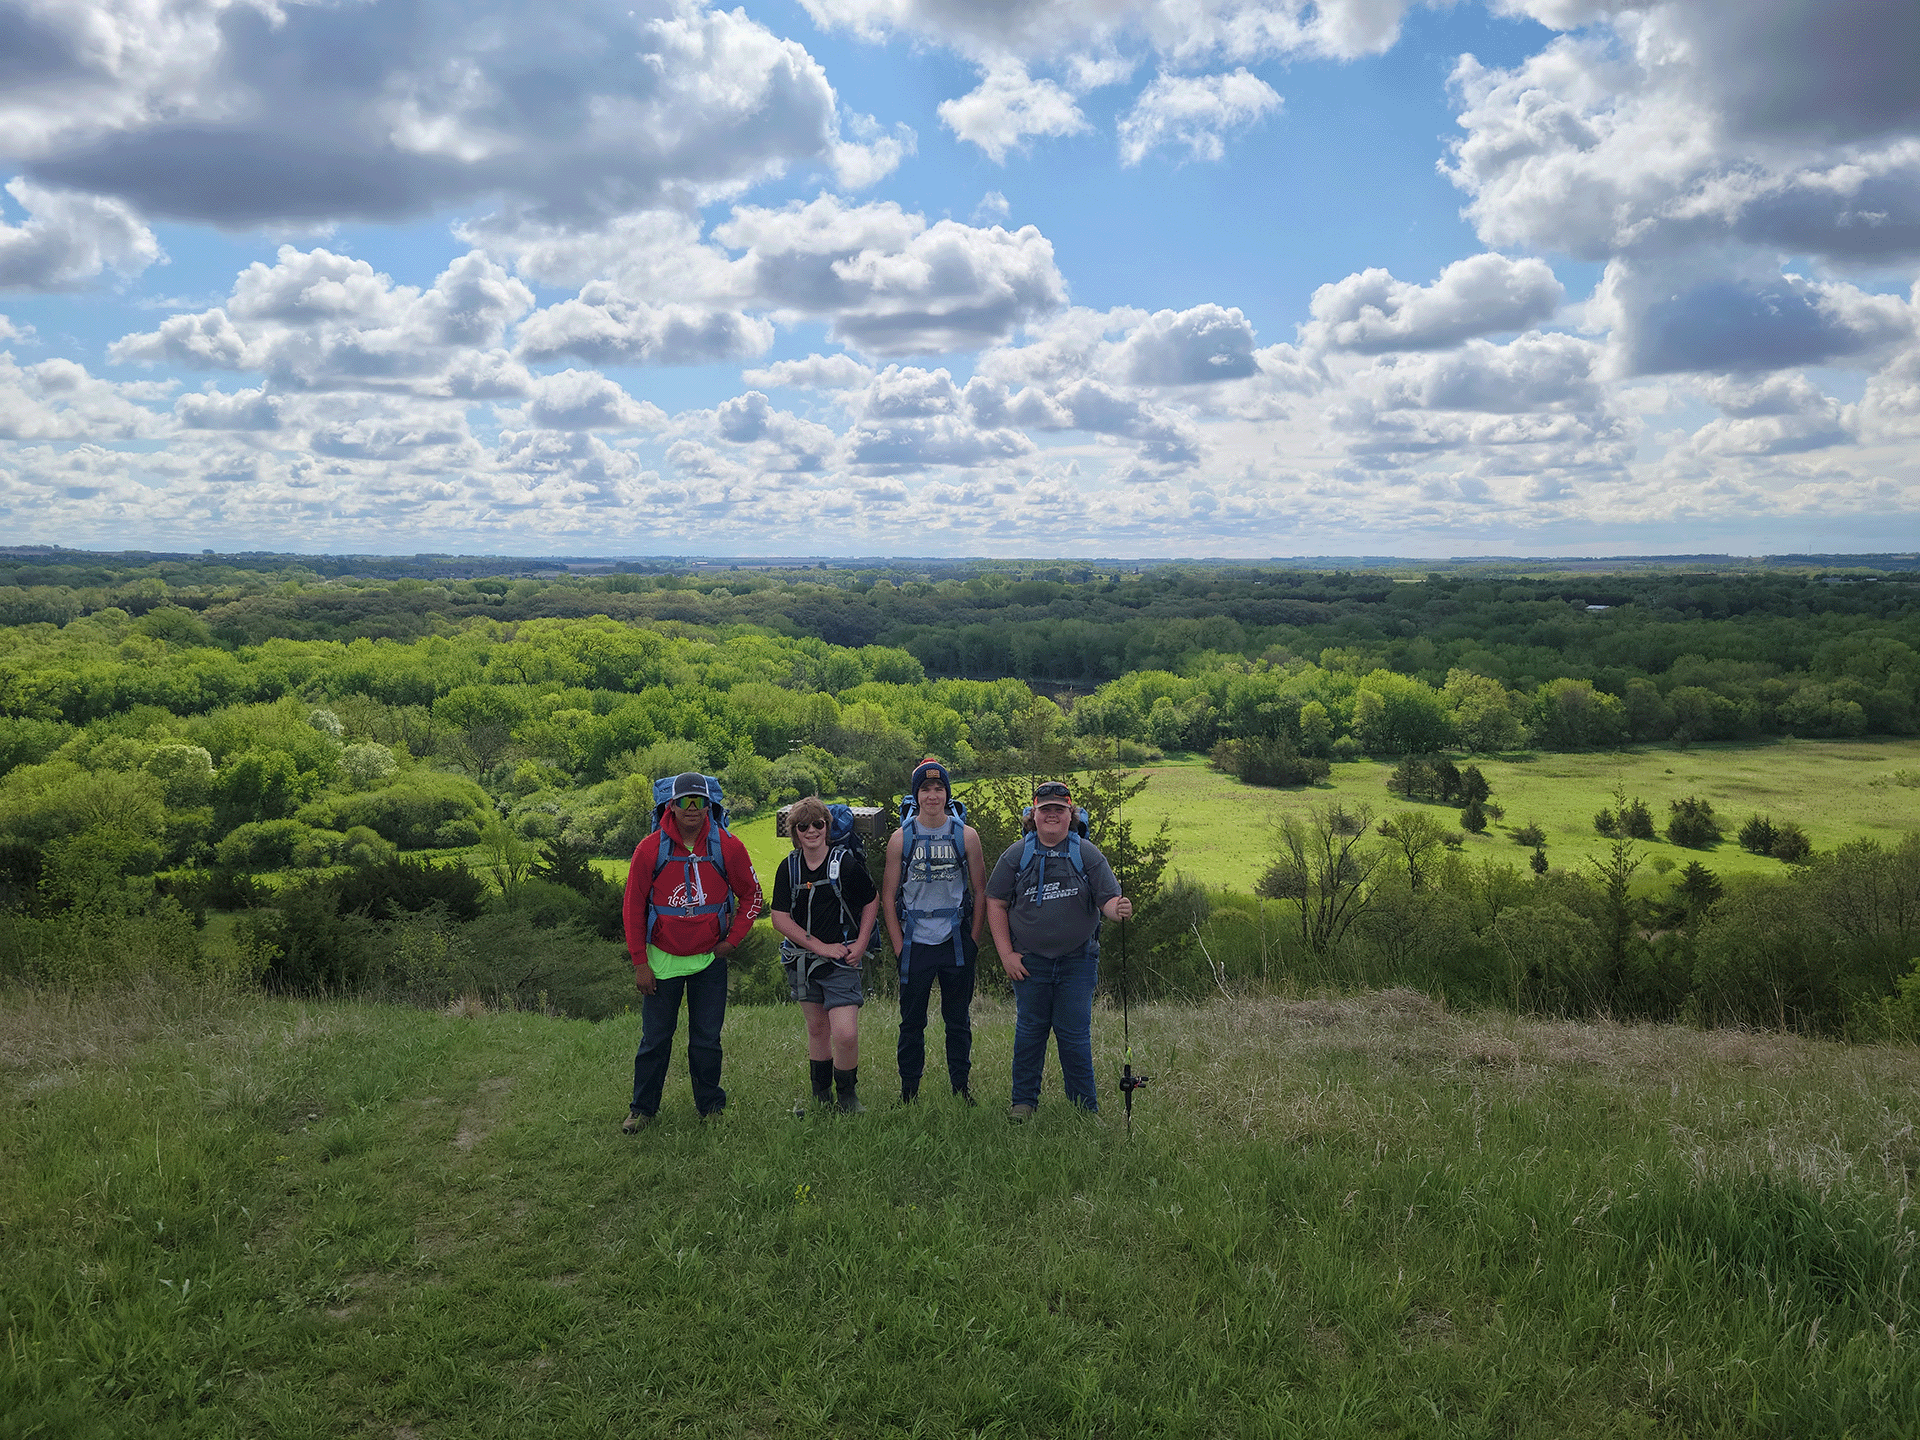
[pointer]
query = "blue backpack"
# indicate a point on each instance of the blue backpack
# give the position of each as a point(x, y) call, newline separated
point(1033, 862)
point(714, 856)
point(913, 838)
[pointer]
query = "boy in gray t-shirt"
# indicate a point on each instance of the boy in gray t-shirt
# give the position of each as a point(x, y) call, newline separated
point(1043, 919)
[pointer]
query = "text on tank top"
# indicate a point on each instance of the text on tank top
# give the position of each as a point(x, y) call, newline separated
point(933, 877)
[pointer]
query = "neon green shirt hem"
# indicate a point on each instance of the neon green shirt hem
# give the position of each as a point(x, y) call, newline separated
point(669, 967)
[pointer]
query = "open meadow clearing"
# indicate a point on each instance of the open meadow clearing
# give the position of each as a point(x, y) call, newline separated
point(1837, 790)
point(1358, 1216)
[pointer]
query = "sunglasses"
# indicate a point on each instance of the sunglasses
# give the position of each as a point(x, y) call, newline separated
point(691, 802)
point(805, 825)
point(1052, 790)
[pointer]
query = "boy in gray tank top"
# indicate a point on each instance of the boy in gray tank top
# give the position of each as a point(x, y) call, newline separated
point(928, 896)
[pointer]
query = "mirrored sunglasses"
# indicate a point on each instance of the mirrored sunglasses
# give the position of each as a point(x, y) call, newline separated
point(691, 802)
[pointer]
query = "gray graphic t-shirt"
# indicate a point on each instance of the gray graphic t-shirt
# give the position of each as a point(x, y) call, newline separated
point(1052, 917)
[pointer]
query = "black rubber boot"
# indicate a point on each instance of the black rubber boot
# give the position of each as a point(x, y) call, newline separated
point(844, 1081)
point(821, 1073)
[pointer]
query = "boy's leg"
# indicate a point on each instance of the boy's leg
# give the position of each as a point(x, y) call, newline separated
point(1032, 1021)
point(819, 1041)
point(914, 991)
point(659, 1018)
point(956, 1010)
point(844, 1025)
point(706, 1013)
point(819, 1051)
point(1073, 1028)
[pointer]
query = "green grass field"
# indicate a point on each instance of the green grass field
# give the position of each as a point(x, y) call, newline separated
point(1356, 1217)
point(1837, 790)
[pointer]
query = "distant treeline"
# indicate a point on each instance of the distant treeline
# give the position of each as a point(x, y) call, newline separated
point(1671, 655)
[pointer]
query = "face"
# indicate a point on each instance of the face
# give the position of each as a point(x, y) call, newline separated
point(932, 795)
point(812, 834)
point(689, 813)
point(1051, 819)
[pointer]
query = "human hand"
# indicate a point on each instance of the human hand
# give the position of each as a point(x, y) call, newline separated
point(643, 979)
point(723, 950)
point(1011, 964)
point(1122, 907)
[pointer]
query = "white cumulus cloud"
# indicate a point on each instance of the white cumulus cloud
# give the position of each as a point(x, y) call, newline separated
point(68, 238)
point(1194, 111)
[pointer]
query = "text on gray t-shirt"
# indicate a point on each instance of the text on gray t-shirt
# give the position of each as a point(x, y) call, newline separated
point(1056, 919)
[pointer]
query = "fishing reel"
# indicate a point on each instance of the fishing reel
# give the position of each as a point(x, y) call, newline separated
point(1130, 1082)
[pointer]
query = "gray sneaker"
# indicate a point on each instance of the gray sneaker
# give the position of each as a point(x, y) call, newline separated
point(1020, 1114)
point(635, 1121)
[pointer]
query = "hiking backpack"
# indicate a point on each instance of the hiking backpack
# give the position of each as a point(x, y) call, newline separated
point(911, 841)
point(1033, 860)
point(714, 856)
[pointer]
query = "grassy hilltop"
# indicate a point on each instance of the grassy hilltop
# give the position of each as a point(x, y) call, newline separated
point(1334, 1217)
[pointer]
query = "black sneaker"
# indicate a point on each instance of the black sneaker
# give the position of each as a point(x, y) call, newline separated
point(965, 1094)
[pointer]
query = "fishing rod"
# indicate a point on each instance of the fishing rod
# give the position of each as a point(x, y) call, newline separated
point(1129, 1082)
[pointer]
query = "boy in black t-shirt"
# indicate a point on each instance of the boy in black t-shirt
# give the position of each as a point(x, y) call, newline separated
point(824, 932)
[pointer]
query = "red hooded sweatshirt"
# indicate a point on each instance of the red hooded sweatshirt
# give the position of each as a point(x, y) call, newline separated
point(688, 934)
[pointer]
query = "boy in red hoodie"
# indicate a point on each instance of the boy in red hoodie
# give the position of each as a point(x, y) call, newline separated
point(679, 937)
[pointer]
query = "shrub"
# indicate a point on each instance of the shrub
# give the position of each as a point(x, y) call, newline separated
point(391, 887)
point(1636, 820)
point(367, 764)
point(1692, 823)
point(1473, 817)
point(1530, 835)
point(1790, 843)
point(1607, 823)
point(409, 811)
point(1757, 835)
point(263, 845)
point(1268, 761)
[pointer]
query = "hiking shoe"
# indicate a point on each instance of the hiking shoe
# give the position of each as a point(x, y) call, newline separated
point(635, 1122)
point(967, 1095)
point(1020, 1114)
point(709, 1117)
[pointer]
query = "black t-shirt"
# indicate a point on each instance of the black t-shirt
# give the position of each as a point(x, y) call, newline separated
point(811, 903)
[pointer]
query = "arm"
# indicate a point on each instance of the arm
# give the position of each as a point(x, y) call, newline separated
point(751, 901)
point(858, 948)
point(890, 892)
point(1010, 959)
point(1106, 886)
point(634, 909)
point(976, 879)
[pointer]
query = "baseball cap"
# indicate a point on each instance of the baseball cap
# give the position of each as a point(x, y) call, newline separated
point(1052, 792)
point(691, 783)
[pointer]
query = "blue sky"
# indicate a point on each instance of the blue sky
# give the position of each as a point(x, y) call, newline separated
point(1117, 277)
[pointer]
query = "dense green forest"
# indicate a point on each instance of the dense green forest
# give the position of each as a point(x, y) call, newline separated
point(186, 736)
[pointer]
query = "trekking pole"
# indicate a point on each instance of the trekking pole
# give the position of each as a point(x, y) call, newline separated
point(1129, 1082)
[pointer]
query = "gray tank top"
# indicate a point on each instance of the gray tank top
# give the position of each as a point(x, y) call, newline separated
point(933, 879)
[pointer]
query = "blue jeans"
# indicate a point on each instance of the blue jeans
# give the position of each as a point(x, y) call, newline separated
point(1057, 998)
point(706, 992)
point(925, 964)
